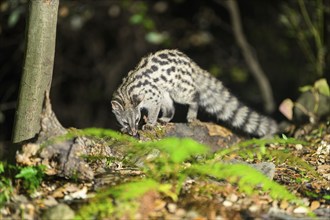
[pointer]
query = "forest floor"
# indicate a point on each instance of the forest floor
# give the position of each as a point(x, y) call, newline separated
point(198, 198)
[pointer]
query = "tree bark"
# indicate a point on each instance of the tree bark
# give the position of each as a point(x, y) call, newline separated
point(38, 67)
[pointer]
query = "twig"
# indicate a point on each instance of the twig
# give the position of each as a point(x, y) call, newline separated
point(250, 57)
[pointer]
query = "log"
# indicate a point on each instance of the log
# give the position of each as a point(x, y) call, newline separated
point(70, 156)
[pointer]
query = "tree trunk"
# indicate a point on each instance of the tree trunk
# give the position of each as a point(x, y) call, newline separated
point(37, 69)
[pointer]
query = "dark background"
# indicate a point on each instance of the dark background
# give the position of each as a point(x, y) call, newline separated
point(99, 41)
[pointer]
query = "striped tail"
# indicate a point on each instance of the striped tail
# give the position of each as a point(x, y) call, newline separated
point(216, 100)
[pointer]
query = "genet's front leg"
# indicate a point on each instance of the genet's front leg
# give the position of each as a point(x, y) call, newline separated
point(167, 114)
point(153, 113)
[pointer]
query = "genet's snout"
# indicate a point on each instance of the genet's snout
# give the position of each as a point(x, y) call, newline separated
point(137, 136)
point(133, 132)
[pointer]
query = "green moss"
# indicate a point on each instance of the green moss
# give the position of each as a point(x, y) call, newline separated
point(179, 159)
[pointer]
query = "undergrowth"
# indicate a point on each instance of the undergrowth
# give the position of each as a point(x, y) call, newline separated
point(30, 178)
point(166, 165)
point(124, 196)
point(257, 150)
point(6, 188)
point(176, 160)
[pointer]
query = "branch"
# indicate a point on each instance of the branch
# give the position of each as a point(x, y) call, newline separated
point(250, 57)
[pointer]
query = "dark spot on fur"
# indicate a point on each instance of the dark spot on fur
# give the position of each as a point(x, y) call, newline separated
point(154, 67)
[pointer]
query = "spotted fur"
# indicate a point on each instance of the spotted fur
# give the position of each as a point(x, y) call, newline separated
point(168, 76)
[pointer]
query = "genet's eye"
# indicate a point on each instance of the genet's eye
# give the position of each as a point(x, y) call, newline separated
point(125, 123)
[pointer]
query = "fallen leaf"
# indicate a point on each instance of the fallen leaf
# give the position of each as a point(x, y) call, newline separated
point(286, 108)
point(315, 205)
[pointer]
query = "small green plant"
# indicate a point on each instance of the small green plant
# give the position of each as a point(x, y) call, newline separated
point(97, 208)
point(326, 197)
point(6, 188)
point(304, 21)
point(126, 196)
point(313, 103)
point(31, 176)
point(247, 178)
point(140, 16)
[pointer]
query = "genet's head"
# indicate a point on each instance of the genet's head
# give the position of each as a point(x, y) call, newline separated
point(127, 117)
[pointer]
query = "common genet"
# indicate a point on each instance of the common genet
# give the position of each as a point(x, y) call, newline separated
point(169, 76)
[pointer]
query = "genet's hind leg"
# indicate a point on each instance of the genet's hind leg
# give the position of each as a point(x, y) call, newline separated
point(192, 112)
point(193, 107)
point(191, 99)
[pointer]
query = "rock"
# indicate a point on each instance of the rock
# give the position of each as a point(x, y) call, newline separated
point(213, 135)
point(323, 212)
point(227, 203)
point(267, 168)
point(192, 214)
point(300, 210)
point(180, 212)
point(171, 207)
point(254, 208)
point(232, 197)
point(60, 211)
point(50, 201)
point(275, 213)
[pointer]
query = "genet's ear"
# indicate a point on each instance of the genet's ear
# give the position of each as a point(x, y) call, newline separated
point(116, 106)
point(137, 99)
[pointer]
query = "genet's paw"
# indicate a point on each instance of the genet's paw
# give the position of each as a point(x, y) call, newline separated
point(192, 120)
point(164, 121)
